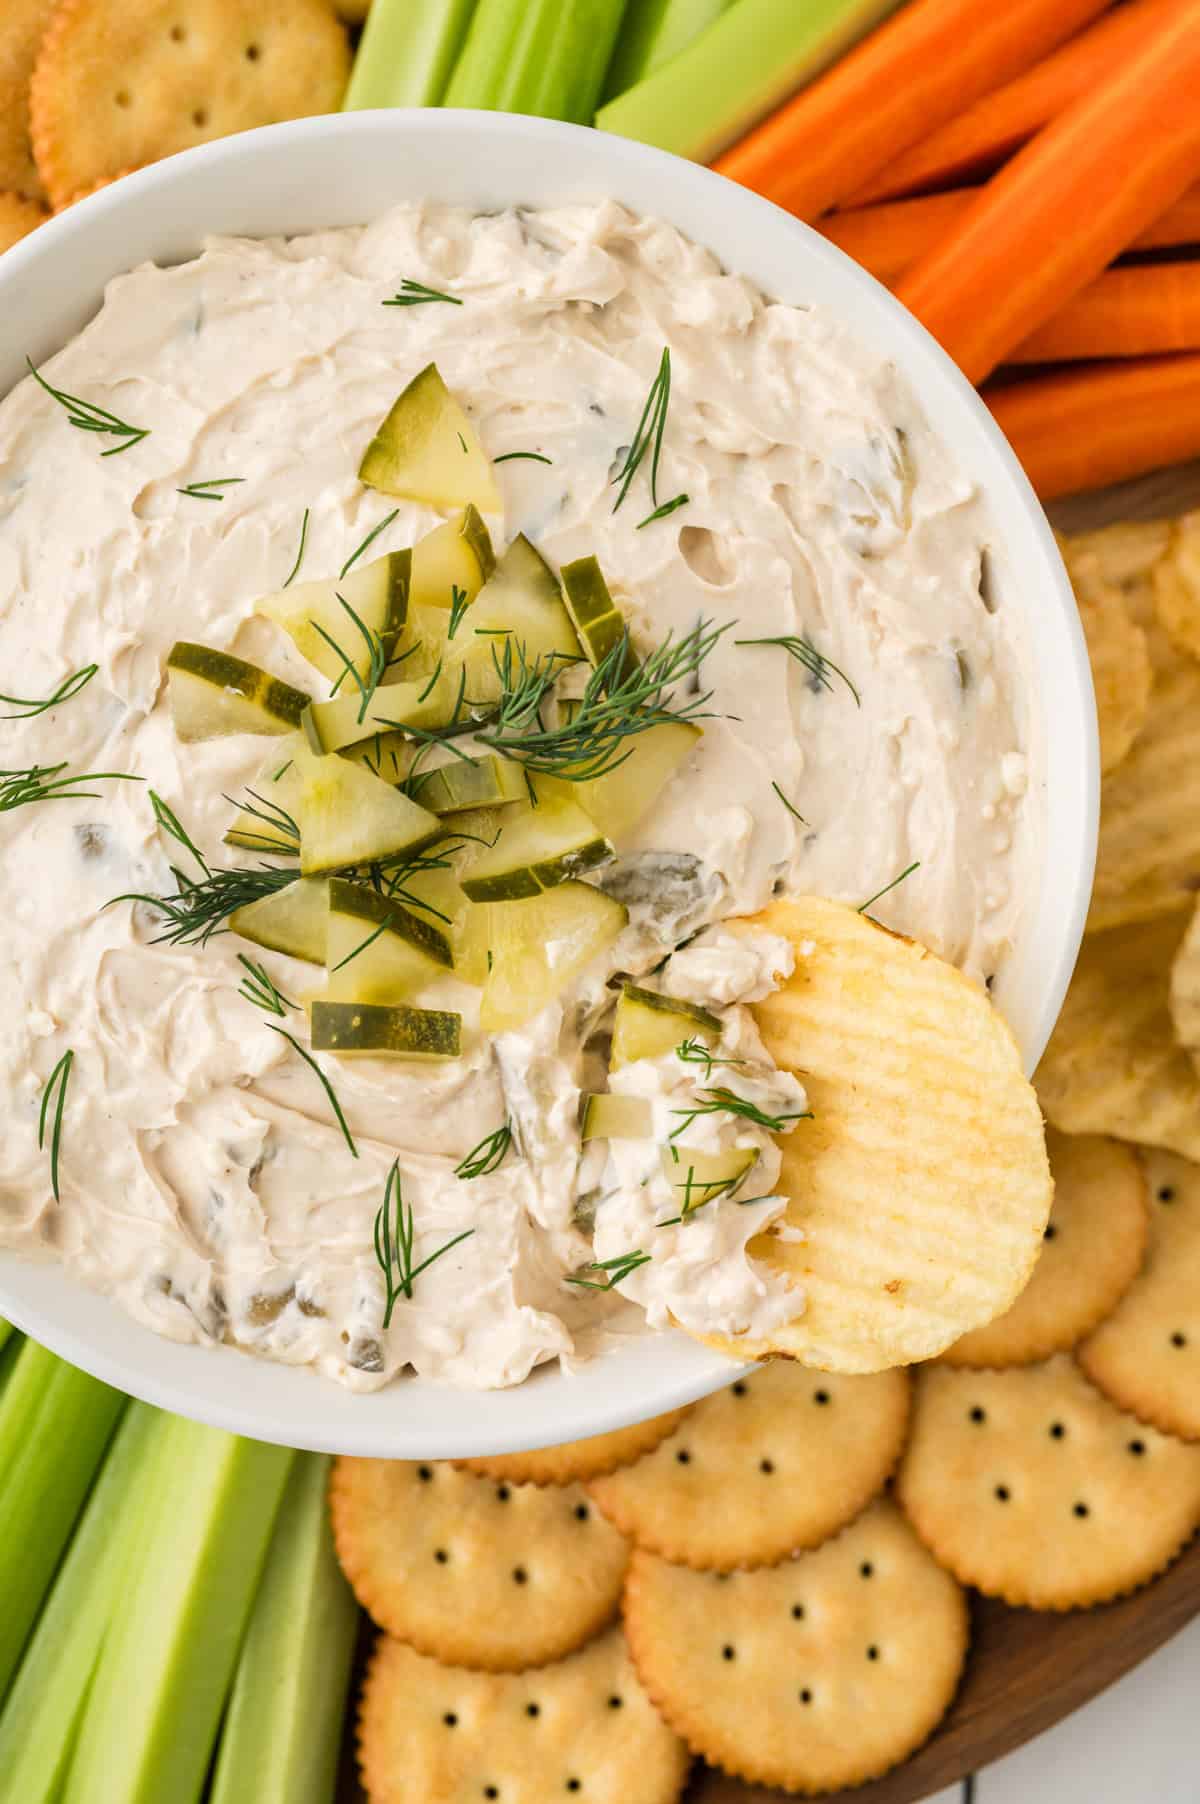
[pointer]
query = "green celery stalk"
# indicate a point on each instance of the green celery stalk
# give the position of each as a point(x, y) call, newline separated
point(654, 31)
point(406, 52)
point(6, 1329)
point(55, 1424)
point(41, 1714)
point(164, 1672)
point(547, 57)
point(754, 56)
point(283, 1729)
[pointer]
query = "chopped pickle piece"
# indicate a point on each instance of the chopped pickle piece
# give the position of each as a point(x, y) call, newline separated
point(456, 555)
point(377, 1029)
point(522, 603)
point(611, 1117)
point(377, 950)
point(292, 920)
point(426, 449)
point(261, 824)
point(647, 1025)
point(311, 614)
point(699, 1177)
point(537, 848)
point(333, 725)
point(423, 645)
point(596, 616)
point(388, 754)
point(618, 800)
point(349, 817)
point(438, 896)
point(486, 782)
point(212, 693)
point(540, 946)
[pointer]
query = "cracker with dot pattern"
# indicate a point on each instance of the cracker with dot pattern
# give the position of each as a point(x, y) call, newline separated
point(1093, 1248)
point(1031, 1486)
point(577, 1460)
point(780, 1460)
point(22, 25)
point(116, 86)
point(1146, 1356)
point(474, 1572)
point(815, 1674)
point(583, 1726)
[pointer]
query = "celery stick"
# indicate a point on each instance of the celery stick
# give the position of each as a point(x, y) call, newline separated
point(55, 1424)
point(165, 1668)
point(41, 1714)
point(754, 57)
point(406, 53)
point(6, 1329)
point(283, 1728)
point(537, 56)
point(654, 31)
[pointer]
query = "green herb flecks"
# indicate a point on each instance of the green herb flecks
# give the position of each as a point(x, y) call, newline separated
point(791, 810)
point(259, 987)
point(56, 1090)
point(661, 513)
point(459, 604)
point(199, 909)
point(462, 441)
point(815, 662)
point(699, 1191)
point(171, 825)
point(211, 489)
point(88, 417)
point(649, 434)
point(416, 294)
point(281, 831)
point(377, 658)
point(295, 569)
point(488, 1156)
point(394, 1234)
point(328, 1088)
point(432, 684)
point(46, 783)
point(367, 542)
point(617, 1270)
point(69, 687)
point(888, 887)
point(533, 457)
point(695, 1052)
point(721, 1101)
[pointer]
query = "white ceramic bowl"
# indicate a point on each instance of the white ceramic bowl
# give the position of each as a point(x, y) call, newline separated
point(345, 170)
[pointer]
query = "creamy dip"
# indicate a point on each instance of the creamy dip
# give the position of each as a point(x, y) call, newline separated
point(203, 1181)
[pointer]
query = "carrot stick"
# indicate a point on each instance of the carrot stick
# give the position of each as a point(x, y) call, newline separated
point(887, 238)
point(980, 138)
point(1066, 204)
point(921, 68)
point(1100, 423)
point(1136, 312)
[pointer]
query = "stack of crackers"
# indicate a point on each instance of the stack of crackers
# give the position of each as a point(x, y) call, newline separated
point(90, 89)
point(775, 1580)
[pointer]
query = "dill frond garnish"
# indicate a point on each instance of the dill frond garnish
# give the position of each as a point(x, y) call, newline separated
point(377, 658)
point(45, 783)
point(661, 513)
point(259, 987)
point(533, 457)
point(171, 825)
point(815, 662)
point(199, 909)
point(416, 294)
point(367, 542)
point(281, 830)
point(649, 434)
point(328, 1088)
point(488, 1156)
point(394, 1232)
point(458, 607)
point(88, 417)
point(695, 1052)
point(209, 489)
point(888, 887)
point(617, 1271)
point(699, 1191)
point(70, 686)
point(721, 1101)
point(56, 1087)
point(791, 810)
point(432, 684)
point(294, 571)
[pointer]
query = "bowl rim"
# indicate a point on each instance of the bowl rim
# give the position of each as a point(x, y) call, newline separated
point(419, 1418)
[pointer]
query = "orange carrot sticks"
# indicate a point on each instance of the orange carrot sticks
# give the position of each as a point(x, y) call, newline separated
point(921, 68)
point(1066, 204)
point(887, 238)
point(1136, 312)
point(1100, 423)
point(980, 138)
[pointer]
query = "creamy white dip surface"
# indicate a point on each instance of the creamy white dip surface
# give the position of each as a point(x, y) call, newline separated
point(203, 1181)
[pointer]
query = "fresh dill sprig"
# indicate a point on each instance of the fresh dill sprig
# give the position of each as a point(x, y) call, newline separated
point(282, 831)
point(871, 900)
point(791, 810)
point(45, 783)
point(649, 434)
point(534, 457)
point(661, 513)
point(377, 659)
point(722, 1101)
point(459, 604)
point(618, 1269)
point(432, 684)
point(620, 700)
point(171, 824)
point(394, 1232)
point(88, 417)
point(295, 569)
point(709, 1188)
point(209, 489)
point(416, 294)
point(328, 1088)
point(70, 686)
point(259, 987)
point(462, 441)
point(198, 910)
point(488, 1156)
point(367, 542)
point(814, 661)
point(695, 1052)
point(56, 1086)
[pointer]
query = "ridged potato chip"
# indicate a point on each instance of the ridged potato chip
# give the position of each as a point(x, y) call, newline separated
point(921, 1185)
point(1112, 1066)
point(1128, 554)
point(1185, 989)
point(1119, 657)
point(1177, 586)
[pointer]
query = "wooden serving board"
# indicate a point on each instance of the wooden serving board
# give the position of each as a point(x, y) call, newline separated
point(1025, 1671)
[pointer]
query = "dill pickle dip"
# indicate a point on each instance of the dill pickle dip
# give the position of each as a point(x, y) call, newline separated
point(181, 1131)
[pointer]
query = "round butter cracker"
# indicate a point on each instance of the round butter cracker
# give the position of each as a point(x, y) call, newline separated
point(780, 1460)
point(1092, 1250)
point(476, 1573)
point(22, 26)
point(1146, 1356)
point(18, 217)
point(584, 1727)
point(1031, 1486)
point(812, 1675)
point(574, 1461)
